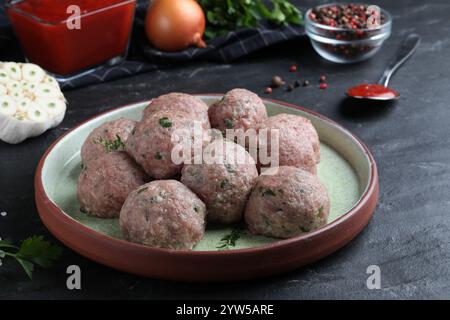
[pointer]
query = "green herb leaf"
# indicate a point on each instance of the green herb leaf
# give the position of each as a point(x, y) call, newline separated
point(7, 244)
point(225, 16)
point(33, 250)
point(230, 239)
point(142, 189)
point(165, 122)
point(228, 123)
point(268, 192)
point(230, 168)
point(304, 229)
point(223, 183)
point(112, 145)
point(39, 251)
point(27, 266)
point(319, 212)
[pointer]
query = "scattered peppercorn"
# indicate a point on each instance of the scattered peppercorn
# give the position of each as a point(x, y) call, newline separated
point(305, 83)
point(293, 68)
point(297, 83)
point(268, 90)
point(323, 79)
point(277, 81)
point(323, 86)
point(290, 88)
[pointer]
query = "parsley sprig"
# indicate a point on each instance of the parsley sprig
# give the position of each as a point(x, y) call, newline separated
point(112, 145)
point(224, 16)
point(165, 122)
point(230, 239)
point(33, 250)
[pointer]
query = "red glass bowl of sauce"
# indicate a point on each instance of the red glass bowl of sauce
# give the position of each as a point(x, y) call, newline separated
point(42, 27)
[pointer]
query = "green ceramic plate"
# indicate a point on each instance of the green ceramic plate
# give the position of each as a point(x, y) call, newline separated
point(345, 169)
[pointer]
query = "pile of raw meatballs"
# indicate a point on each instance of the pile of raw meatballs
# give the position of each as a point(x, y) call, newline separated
point(128, 173)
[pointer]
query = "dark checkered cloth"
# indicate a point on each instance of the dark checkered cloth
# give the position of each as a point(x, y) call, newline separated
point(142, 57)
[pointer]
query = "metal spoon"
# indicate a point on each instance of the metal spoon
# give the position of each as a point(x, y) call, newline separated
point(381, 91)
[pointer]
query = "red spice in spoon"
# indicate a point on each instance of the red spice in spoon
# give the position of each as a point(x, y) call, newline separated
point(372, 91)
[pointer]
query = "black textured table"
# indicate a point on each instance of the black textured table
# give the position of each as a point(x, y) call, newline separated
point(409, 236)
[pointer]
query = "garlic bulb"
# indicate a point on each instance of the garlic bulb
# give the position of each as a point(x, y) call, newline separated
point(31, 102)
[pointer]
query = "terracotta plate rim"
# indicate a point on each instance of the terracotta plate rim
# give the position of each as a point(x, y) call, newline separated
point(42, 197)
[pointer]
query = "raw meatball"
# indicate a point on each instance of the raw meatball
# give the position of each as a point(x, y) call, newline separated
point(286, 202)
point(105, 183)
point(225, 184)
point(154, 138)
point(179, 103)
point(163, 214)
point(105, 138)
point(299, 144)
point(309, 131)
point(238, 109)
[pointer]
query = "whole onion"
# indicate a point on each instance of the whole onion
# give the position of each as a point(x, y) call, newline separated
point(173, 25)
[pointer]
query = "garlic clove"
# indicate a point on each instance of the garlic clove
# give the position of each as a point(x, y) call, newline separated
point(32, 72)
point(45, 90)
point(13, 70)
point(7, 105)
point(50, 80)
point(24, 84)
point(53, 106)
point(13, 86)
point(24, 104)
point(37, 114)
point(21, 116)
point(4, 77)
point(16, 95)
point(31, 86)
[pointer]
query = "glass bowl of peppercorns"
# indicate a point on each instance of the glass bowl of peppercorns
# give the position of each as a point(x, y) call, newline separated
point(347, 33)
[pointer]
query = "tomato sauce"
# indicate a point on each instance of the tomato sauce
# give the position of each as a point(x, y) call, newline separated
point(40, 25)
point(372, 91)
